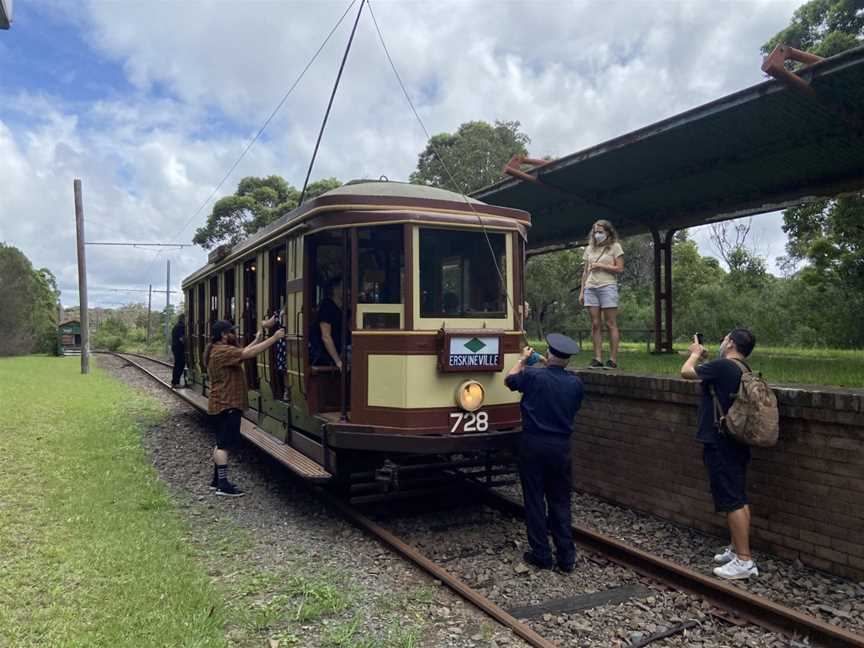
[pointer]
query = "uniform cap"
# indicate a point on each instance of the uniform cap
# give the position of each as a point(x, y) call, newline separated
point(562, 346)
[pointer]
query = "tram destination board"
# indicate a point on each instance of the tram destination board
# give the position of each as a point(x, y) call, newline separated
point(469, 351)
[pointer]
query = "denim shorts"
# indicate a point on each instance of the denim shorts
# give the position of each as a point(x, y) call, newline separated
point(726, 462)
point(602, 296)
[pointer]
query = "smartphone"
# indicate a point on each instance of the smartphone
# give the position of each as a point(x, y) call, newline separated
point(699, 338)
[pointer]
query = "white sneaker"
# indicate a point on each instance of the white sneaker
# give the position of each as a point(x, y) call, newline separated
point(725, 557)
point(737, 569)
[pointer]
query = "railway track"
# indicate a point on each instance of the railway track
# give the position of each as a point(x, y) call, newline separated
point(734, 604)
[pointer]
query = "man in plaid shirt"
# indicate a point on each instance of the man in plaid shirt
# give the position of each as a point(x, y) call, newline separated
point(229, 393)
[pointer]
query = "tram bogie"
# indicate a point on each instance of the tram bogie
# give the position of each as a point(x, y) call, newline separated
point(428, 287)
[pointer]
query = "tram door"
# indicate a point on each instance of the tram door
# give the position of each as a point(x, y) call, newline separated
point(250, 316)
point(295, 388)
point(201, 328)
point(189, 346)
point(328, 263)
point(276, 357)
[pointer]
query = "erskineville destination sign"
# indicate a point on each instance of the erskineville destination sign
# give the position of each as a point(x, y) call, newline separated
point(470, 351)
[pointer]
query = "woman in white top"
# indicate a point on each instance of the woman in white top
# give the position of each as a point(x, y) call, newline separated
point(604, 261)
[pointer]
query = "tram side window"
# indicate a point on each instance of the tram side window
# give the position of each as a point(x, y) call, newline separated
point(458, 275)
point(381, 266)
point(214, 300)
point(230, 297)
point(250, 317)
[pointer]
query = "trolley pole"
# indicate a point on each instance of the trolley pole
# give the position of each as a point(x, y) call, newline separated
point(149, 309)
point(167, 303)
point(82, 278)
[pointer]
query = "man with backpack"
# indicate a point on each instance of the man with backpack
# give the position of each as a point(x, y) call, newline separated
point(727, 453)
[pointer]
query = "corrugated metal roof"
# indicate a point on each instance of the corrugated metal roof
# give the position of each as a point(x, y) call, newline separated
point(750, 152)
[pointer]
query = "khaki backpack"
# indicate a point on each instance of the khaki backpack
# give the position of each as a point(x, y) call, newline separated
point(753, 418)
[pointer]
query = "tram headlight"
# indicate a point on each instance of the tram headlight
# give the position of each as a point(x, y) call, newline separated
point(470, 395)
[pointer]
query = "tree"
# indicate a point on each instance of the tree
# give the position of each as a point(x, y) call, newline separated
point(256, 203)
point(473, 156)
point(827, 234)
point(823, 27)
point(28, 305)
point(552, 291)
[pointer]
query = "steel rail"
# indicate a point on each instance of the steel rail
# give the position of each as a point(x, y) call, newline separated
point(389, 539)
point(146, 357)
point(436, 571)
point(752, 607)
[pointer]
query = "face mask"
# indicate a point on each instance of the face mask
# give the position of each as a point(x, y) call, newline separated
point(722, 352)
point(599, 236)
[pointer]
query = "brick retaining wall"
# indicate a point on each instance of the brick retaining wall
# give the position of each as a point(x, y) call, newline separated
point(634, 443)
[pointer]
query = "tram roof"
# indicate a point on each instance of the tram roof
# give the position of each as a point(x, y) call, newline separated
point(757, 150)
point(361, 195)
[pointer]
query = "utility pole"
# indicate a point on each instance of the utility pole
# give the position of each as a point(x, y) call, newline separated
point(149, 307)
point(82, 278)
point(167, 303)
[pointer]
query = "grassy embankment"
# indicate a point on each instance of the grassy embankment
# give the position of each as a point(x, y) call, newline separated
point(94, 553)
point(779, 365)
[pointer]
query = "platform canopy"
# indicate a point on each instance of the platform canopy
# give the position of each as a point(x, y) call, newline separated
point(5, 14)
point(757, 150)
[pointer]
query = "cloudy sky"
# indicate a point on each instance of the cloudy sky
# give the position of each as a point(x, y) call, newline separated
point(150, 103)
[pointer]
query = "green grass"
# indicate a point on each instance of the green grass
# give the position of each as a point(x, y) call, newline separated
point(91, 552)
point(779, 365)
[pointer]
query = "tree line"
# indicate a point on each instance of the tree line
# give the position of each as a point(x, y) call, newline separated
point(29, 305)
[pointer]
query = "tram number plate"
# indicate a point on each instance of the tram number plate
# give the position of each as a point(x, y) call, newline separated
point(469, 421)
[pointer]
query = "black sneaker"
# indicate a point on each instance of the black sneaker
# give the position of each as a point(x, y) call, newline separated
point(531, 559)
point(214, 485)
point(595, 364)
point(610, 365)
point(229, 490)
point(567, 568)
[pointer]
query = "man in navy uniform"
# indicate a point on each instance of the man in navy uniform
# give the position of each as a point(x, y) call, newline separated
point(551, 396)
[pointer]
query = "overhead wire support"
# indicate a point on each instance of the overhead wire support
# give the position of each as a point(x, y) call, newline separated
point(140, 245)
point(330, 103)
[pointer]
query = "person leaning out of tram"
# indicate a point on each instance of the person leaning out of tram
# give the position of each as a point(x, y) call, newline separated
point(229, 393)
point(604, 262)
point(326, 337)
point(551, 396)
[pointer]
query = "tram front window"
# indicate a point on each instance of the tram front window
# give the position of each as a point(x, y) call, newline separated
point(458, 276)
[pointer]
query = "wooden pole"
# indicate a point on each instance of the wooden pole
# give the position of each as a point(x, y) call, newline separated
point(82, 278)
point(167, 303)
point(149, 309)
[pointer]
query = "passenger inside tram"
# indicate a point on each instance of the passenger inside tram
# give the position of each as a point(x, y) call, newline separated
point(326, 335)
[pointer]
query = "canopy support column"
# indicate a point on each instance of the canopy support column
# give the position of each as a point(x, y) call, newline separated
point(662, 290)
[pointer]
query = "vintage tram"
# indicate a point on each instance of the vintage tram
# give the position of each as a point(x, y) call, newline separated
point(432, 301)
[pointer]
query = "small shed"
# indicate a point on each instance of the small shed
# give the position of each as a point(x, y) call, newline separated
point(70, 334)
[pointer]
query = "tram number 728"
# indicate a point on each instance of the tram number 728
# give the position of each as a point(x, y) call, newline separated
point(470, 421)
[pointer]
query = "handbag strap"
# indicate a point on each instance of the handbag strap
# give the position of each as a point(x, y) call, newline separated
point(719, 416)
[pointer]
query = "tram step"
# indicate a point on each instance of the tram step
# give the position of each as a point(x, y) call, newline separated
point(295, 461)
point(291, 458)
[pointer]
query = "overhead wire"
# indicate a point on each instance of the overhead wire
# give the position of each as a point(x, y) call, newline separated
point(258, 134)
point(440, 157)
point(269, 118)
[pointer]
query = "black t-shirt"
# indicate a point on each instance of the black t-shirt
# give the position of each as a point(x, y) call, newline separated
point(725, 376)
point(329, 313)
point(177, 335)
point(551, 396)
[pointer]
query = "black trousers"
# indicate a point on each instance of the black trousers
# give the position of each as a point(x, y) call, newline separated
point(179, 365)
point(544, 469)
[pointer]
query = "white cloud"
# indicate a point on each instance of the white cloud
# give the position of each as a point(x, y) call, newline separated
point(206, 75)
